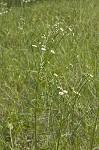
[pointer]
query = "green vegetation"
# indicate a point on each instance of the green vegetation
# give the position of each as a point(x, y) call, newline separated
point(49, 76)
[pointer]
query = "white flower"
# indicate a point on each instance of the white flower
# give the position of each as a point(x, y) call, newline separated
point(65, 91)
point(61, 93)
point(77, 93)
point(91, 75)
point(48, 62)
point(43, 49)
point(43, 36)
point(34, 45)
point(62, 29)
point(59, 88)
point(71, 65)
point(55, 75)
point(52, 52)
point(70, 29)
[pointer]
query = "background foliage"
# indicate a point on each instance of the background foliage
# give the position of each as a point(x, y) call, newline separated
point(49, 75)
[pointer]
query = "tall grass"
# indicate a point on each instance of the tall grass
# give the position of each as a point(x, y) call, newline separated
point(49, 76)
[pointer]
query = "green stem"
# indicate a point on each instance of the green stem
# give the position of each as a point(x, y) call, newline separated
point(94, 129)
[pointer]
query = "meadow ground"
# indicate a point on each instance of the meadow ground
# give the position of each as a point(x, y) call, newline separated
point(49, 76)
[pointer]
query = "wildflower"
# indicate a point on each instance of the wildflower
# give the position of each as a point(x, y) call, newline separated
point(62, 29)
point(71, 65)
point(55, 75)
point(76, 93)
point(90, 75)
point(53, 39)
point(34, 45)
point(10, 126)
point(61, 93)
point(56, 25)
point(52, 52)
point(70, 29)
point(59, 88)
point(43, 49)
point(65, 92)
point(48, 62)
point(43, 36)
point(39, 43)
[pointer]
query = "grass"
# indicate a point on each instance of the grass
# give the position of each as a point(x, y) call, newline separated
point(49, 76)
